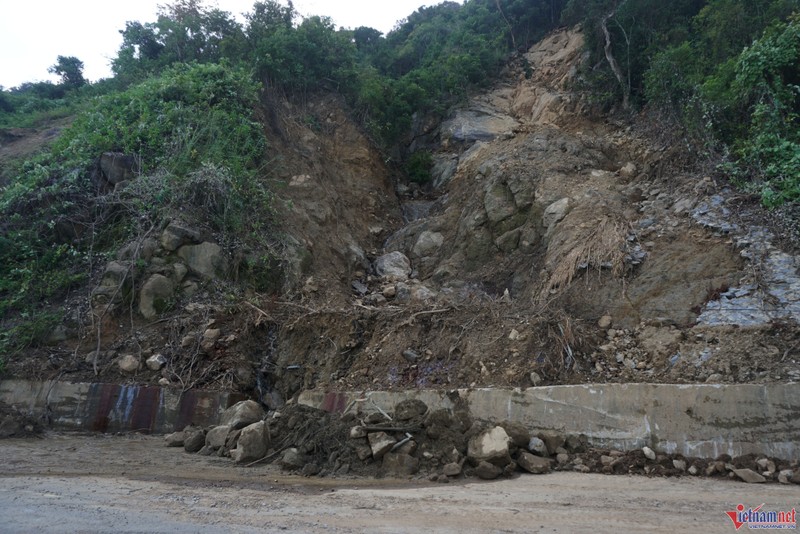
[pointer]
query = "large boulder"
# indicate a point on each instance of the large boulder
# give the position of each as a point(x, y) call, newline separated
point(534, 464)
point(487, 471)
point(215, 439)
point(155, 296)
point(520, 436)
point(175, 236)
point(490, 446)
point(428, 243)
point(195, 440)
point(499, 203)
point(477, 125)
point(393, 265)
point(242, 414)
point(252, 444)
point(380, 443)
point(206, 259)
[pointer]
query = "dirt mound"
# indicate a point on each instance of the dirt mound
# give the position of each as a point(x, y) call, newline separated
point(444, 445)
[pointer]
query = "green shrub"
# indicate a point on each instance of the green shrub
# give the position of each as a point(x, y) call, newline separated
point(419, 167)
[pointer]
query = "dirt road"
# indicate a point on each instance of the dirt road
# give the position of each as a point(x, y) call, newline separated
point(123, 484)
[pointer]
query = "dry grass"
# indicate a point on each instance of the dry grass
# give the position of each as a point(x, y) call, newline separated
point(600, 247)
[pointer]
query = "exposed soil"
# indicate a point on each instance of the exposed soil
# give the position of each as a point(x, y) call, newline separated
point(504, 289)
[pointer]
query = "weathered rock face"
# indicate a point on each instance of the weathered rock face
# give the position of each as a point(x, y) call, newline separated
point(490, 446)
point(252, 444)
point(206, 259)
point(155, 296)
point(242, 414)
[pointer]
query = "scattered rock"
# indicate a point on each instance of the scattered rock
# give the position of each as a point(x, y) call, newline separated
point(605, 322)
point(535, 379)
point(358, 432)
point(749, 476)
point(534, 464)
point(649, 453)
point(293, 459)
point(156, 362)
point(210, 338)
point(129, 363)
point(215, 438)
point(242, 414)
point(519, 434)
point(393, 265)
point(487, 471)
point(195, 440)
point(428, 243)
point(175, 236)
point(409, 409)
point(399, 464)
point(206, 259)
point(490, 445)
point(552, 439)
point(252, 443)
point(411, 356)
point(680, 465)
point(155, 296)
point(554, 213)
point(380, 443)
point(786, 476)
point(453, 469)
point(175, 439)
point(537, 447)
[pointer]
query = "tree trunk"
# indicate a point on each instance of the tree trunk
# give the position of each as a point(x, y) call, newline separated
point(626, 90)
point(510, 28)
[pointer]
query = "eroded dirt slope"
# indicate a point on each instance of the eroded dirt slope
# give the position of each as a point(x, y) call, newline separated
point(553, 245)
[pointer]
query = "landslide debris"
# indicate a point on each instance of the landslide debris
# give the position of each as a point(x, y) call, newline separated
point(412, 441)
point(553, 245)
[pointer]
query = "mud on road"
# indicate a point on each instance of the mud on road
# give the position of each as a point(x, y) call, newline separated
point(132, 483)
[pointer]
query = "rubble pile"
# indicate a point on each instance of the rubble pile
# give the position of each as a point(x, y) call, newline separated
point(443, 445)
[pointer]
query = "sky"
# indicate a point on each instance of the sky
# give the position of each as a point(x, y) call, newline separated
point(33, 33)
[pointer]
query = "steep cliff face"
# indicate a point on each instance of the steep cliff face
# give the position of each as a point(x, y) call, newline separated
point(553, 246)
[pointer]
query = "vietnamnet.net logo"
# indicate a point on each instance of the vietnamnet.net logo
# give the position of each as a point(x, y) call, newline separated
point(757, 519)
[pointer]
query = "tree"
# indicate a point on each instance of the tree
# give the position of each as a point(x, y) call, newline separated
point(70, 69)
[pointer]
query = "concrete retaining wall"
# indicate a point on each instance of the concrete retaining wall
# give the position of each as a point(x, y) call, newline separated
point(694, 420)
point(115, 407)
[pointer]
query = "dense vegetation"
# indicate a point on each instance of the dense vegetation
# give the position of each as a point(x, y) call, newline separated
point(726, 70)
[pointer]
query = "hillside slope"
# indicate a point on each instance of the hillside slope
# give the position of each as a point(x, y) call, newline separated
point(553, 247)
